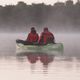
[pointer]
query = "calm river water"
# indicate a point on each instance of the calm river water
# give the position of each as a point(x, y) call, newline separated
point(37, 66)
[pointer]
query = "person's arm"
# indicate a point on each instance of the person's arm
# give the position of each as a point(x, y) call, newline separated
point(37, 38)
point(53, 38)
point(28, 38)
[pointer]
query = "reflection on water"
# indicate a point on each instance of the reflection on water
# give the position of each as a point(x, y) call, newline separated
point(33, 58)
point(46, 63)
point(40, 66)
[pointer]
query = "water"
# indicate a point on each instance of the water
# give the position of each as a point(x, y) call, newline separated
point(40, 67)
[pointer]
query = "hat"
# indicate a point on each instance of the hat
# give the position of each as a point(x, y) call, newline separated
point(32, 28)
point(45, 28)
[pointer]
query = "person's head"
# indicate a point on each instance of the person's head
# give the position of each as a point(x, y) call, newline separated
point(33, 30)
point(45, 29)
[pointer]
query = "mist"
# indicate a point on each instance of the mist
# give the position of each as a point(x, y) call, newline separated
point(60, 17)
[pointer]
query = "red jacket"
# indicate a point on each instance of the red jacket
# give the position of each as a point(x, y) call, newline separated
point(32, 37)
point(46, 37)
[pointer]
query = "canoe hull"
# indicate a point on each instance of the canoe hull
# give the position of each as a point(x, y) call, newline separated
point(49, 48)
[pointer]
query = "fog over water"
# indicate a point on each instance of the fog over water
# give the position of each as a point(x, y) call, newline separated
point(65, 67)
point(70, 42)
point(62, 18)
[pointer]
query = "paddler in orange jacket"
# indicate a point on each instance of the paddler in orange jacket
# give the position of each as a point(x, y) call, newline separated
point(31, 39)
point(46, 37)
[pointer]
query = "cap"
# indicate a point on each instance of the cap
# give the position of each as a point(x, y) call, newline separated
point(45, 28)
point(32, 28)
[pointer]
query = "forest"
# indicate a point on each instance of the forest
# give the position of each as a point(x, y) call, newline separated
point(58, 17)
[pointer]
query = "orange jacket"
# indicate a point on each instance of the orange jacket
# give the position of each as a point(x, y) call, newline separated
point(46, 37)
point(32, 37)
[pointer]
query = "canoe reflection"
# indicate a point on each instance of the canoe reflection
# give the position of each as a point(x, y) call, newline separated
point(44, 58)
point(32, 58)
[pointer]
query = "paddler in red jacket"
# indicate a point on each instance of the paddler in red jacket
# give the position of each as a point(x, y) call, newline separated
point(32, 36)
point(46, 37)
point(31, 39)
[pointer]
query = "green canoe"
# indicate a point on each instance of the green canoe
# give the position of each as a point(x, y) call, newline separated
point(49, 48)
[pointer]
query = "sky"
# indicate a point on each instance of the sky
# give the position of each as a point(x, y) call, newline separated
point(13, 2)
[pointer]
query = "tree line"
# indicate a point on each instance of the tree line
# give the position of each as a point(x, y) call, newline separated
point(60, 16)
